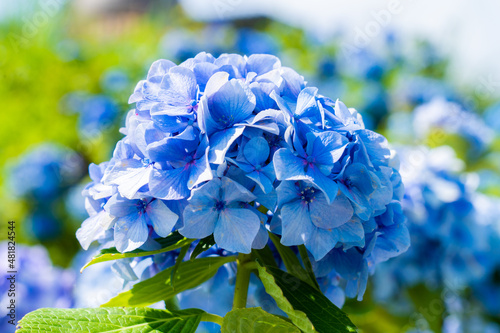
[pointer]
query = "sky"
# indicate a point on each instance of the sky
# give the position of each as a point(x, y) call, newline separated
point(467, 31)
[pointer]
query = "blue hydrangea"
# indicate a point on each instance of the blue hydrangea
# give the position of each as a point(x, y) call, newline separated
point(95, 112)
point(215, 143)
point(39, 284)
point(454, 119)
point(43, 172)
point(454, 232)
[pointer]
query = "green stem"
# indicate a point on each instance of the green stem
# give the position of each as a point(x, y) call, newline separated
point(242, 281)
point(213, 318)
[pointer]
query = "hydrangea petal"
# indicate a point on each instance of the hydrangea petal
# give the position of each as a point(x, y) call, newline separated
point(236, 229)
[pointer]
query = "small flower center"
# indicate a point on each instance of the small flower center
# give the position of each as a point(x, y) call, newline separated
point(142, 204)
point(308, 194)
point(258, 167)
point(146, 161)
point(219, 206)
point(193, 103)
point(310, 159)
point(226, 120)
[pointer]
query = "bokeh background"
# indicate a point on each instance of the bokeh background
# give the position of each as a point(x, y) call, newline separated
point(424, 74)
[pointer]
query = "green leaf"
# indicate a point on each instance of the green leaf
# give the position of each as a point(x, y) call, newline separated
point(265, 256)
point(171, 242)
point(98, 320)
point(307, 307)
point(255, 320)
point(178, 262)
point(292, 262)
point(307, 264)
point(189, 274)
point(204, 244)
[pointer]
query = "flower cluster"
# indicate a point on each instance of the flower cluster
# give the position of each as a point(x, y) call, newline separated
point(453, 233)
point(238, 146)
point(452, 118)
point(41, 177)
point(38, 283)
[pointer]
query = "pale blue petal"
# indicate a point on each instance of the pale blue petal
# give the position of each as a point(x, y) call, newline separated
point(288, 166)
point(160, 68)
point(169, 184)
point(287, 191)
point(328, 147)
point(233, 101)
point(118, 206)
point(295, 223)
point(91, 229)
point(262, 63)
point(162, 218)
point(329, 216)
point(236, 229)
point(321, 241)
point(234, 192)
point(199, 221)
point(261, 239)
point(129, 185)
point(131, 232)
point(256, 151)
point(351, 232)
point(200, 172)
point(221, 141)
point(261, 179)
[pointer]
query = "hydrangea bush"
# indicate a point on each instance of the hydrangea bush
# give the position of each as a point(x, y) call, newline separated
point(234, 161)
point(454, 236)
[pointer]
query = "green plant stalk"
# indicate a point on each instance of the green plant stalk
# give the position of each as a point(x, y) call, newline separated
point(213, 318)
point(242, 281)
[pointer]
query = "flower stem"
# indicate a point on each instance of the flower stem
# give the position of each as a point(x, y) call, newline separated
point(242, 281)
point(213, 318)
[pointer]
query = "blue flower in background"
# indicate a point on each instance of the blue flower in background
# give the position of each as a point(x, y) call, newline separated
point(249, 41)
point(115, 81)
point(95, 112)
point(42, 224)
point(38, 283)
point(43, 172)
point(452, 242)
point(452, 118)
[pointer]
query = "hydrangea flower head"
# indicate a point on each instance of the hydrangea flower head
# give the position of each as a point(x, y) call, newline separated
point(214, 144)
